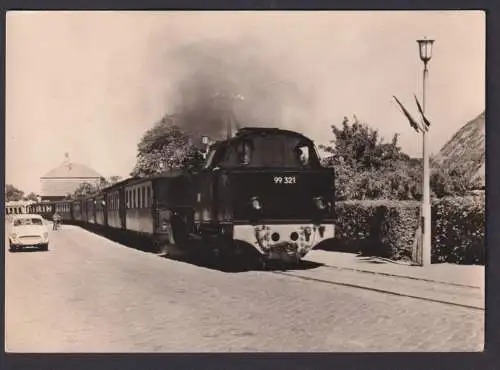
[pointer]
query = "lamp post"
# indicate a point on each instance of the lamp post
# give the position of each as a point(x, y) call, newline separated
point(425, 49)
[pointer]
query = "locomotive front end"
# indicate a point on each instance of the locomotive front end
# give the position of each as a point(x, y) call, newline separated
point(273, 193)
point(284, 216)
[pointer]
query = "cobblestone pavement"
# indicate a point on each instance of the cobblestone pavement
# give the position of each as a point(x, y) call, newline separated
point(88, 294)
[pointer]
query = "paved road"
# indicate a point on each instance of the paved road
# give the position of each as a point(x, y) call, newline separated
point(88, 294)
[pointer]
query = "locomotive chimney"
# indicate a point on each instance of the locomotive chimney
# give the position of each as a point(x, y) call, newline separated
point(229, 122)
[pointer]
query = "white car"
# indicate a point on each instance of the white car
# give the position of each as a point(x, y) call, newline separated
point(28, 231)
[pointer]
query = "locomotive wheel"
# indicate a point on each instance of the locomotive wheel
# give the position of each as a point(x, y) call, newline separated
point(159, 247)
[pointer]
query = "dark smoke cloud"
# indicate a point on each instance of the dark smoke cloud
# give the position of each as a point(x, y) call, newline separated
point(212, 76)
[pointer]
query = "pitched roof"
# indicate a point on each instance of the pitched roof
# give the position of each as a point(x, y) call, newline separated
point(72, 170)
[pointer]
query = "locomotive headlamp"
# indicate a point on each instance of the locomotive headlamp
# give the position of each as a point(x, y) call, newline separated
point(205, 140)
point(320, 203)
point(256, 203)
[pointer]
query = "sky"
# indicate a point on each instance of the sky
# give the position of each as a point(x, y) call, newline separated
point(91, 83)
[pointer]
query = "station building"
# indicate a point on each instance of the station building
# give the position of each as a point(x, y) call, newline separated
point(65, 179)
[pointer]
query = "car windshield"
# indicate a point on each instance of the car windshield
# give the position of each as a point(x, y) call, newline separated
point(28, 221)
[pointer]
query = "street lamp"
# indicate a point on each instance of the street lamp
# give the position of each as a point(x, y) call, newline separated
point(425, 49)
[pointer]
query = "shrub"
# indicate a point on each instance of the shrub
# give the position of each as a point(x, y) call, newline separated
point(458, 230)
point(397, 229)
point(387, 228)
point(384, 228)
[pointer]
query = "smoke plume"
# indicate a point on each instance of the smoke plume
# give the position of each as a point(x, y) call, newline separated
point(217, 78)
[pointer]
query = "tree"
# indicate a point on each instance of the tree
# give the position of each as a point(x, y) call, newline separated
point(359, 147)
point(31, 196)
point(165, 147)
point(114, 179)
point(366, 167)
point(447, 181)
point(12, 193)
point(84, 189)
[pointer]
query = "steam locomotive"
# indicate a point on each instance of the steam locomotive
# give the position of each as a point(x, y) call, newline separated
point(263, 189)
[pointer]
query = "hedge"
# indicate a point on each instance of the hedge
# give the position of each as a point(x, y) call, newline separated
point(388, 228)
point(458, 230)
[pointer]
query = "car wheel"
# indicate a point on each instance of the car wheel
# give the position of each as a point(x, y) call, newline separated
point(45, 247)
point(13, 249)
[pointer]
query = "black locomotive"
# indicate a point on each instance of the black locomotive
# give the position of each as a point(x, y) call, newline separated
point(264, 188)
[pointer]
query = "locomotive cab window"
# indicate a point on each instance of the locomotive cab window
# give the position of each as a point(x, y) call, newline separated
point(302, 155)
point(244, 151)
point(269, 150)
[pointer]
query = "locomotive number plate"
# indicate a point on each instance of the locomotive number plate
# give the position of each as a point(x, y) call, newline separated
point(285, 180)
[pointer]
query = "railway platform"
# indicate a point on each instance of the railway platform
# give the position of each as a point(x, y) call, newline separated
point(446, 273)
point(444, 282)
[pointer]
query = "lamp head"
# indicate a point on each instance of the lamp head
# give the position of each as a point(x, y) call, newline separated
point(425, 49)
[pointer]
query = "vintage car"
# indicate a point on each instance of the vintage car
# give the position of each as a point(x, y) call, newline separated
point(28, 231)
